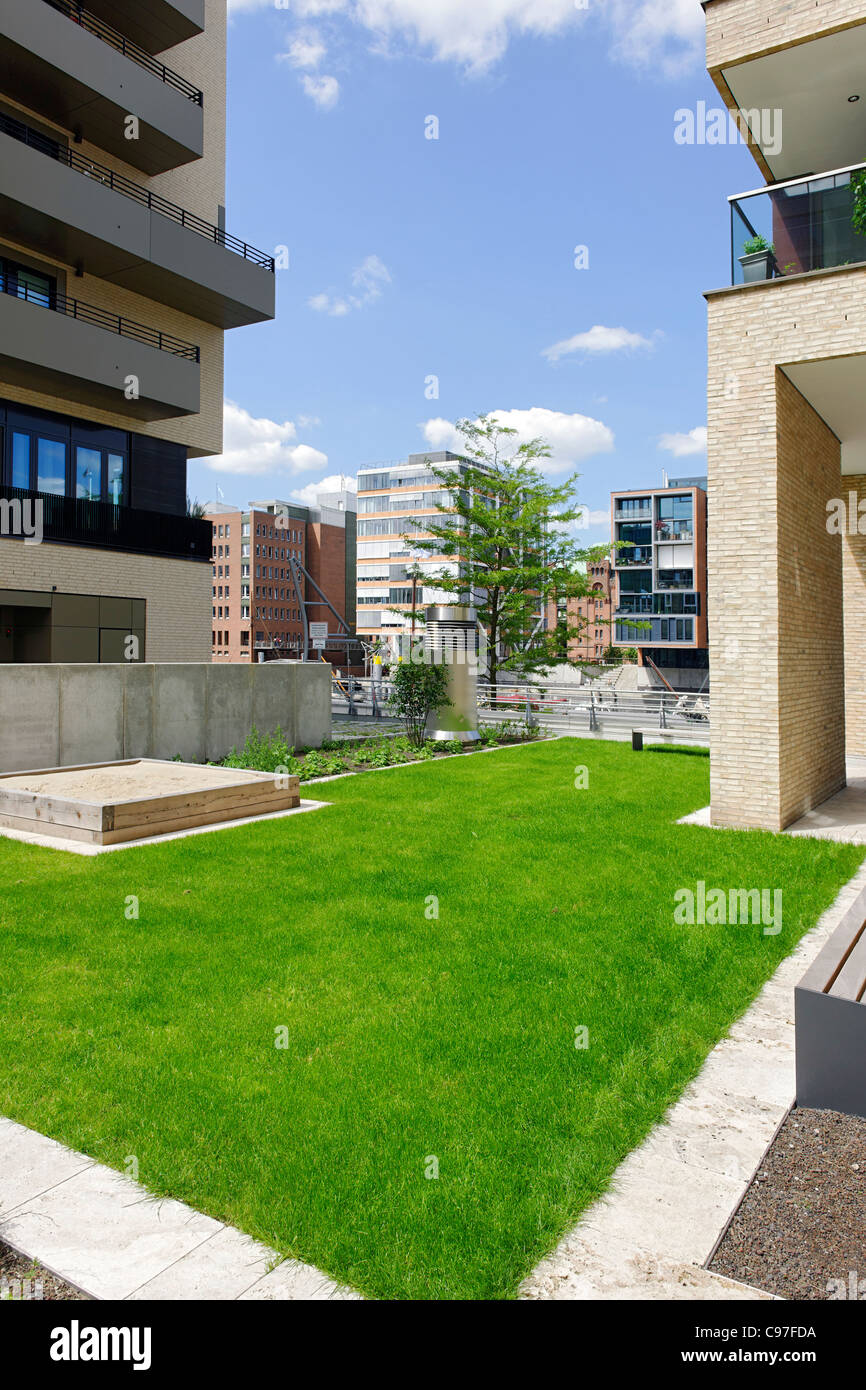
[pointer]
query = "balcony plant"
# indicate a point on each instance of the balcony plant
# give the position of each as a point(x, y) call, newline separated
point(858, 201)
point(758, 259)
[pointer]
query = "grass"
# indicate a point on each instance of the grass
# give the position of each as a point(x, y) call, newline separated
point(409, 1037)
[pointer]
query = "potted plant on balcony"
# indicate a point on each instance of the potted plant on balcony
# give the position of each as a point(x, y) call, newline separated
point(758, 259)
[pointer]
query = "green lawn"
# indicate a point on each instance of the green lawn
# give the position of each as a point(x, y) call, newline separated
point(408, 1037)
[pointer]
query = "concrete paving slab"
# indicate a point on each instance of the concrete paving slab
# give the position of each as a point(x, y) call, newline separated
point(109, 1237)
point(293, 1280)
point(222, 1267)
point(104, 1233)
point(32, 1164)
point(673, 1212)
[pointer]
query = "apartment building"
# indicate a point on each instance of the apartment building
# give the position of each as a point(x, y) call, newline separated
point(118, 279)
point(390, 569)
point(660, 578)
point(787, 413)
point(272, 568)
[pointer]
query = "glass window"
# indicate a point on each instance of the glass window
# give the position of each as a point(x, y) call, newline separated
point(88, 473)
point(115, 478)
point(21, 460)
point(51, 466)
point(36, 289)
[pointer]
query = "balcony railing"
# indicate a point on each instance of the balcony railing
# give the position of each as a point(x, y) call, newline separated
point(662, 605)
point(674, 532)
point(99, 318)
point(636, 555)
point(102, 174)
point(79, 15)
point(814, 223)
point(633, 513)
point(80, 521)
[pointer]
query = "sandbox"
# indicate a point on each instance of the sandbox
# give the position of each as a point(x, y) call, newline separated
point(110, 803)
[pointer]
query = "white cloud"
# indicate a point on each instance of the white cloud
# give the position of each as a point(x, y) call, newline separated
point(323, 90)
point(368, 279)
point(597, 339)
point(308, 422)
point(335, 482)
point(681, 445)
point(305, 51)
point(652, 34)
point(571, 437)
point(254, 446)
point(666, 35)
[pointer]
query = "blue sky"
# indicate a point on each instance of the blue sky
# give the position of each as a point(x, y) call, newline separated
point(412, 258)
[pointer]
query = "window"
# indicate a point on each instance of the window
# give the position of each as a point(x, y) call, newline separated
point(115, 478)
point(51, 466)
point(88, 473)
point(27, 284)
point(21, 460)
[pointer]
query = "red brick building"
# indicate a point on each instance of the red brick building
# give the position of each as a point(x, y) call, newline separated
point(592, 615)
point(257, 607)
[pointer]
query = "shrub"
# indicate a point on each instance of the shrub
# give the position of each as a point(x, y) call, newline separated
point(418, 688)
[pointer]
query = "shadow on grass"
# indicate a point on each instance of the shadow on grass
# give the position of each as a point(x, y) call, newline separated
point(679, 751)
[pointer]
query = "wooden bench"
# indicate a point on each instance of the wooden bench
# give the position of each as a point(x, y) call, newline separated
point(830, 1020)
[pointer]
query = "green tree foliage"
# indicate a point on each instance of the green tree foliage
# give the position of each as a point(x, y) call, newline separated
point(513, 533)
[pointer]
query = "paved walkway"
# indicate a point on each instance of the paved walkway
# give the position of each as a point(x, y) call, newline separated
point(841, 817)
point(649, 1237)
point(105, 1234)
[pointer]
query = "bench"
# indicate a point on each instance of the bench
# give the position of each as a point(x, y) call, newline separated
point(830, 1020)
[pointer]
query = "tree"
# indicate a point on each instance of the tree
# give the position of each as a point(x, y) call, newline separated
point(510, 534)
point(418, 688)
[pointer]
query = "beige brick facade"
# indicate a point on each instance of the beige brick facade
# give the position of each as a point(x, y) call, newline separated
point(742, 29)
point(774, 571)
point(176, 592)
point(854, 591)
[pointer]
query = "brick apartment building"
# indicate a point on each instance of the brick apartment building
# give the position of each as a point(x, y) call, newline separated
point(118, 281)
point(257, 609)
point(787, 414)
point(591, 615)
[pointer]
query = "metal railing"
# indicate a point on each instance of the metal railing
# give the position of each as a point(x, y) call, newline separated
point(79, 15)
point(99, 318)
point(85, 521)
point(575, 709)
point(597, 709)
point(64, 154)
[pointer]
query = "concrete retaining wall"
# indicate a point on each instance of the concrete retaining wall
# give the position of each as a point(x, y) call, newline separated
point(62, 715)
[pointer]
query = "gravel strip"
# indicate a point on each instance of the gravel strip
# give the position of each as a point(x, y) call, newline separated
point(800, 1230)
point(21, 1277)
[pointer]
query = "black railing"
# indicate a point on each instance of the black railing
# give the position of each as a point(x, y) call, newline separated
point(99, 318)
point(120, 184)
point(81, 521)
point(79, 15)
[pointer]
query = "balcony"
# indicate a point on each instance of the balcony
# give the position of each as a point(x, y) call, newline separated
point(85, 354)
point(656, 631)
point(153, 24)
point(633, 513)
point(814, 223)
point(77, 521)
point(65, 63)
point(674, 531)
point(663, 605)
point(633, 555)
point(55, 200)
